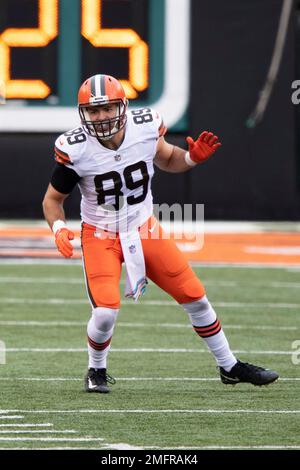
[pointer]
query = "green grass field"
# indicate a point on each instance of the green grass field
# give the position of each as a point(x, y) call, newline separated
point(168, 394)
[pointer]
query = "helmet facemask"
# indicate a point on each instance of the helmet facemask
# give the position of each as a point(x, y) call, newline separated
point(104, 129)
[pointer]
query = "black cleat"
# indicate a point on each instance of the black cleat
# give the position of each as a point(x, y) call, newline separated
point(96, 381)
point(244, 372)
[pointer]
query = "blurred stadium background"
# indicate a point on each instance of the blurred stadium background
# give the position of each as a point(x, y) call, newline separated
point(203, 64)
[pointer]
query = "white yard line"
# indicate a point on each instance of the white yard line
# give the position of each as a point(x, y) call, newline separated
point(286, 285)
point(119, 447)
point(100, 447)
point(127, 379)
point(40, 261)
point(12, 417)
point(156, 411)
point(227, 447)
point(51, 439)
point(30, 323)
point(142, 350)
point(237, 265)
point(256, 305)
point(41, 323)
point(161, 303)
point(207, 282)
point(40, 431)
point(40, 280)
point(27, 425)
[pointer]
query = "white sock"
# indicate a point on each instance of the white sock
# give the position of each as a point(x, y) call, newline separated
point(99, 331)
point(205, 323)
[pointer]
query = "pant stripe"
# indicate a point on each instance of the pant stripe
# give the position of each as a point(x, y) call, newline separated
point(86, 278)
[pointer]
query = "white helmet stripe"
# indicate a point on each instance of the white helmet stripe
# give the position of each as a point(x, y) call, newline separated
point(98, 91)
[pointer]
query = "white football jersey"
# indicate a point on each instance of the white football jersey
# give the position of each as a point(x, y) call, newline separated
point(115, 184)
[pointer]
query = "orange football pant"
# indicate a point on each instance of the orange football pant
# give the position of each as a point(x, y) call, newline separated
point(165, 265)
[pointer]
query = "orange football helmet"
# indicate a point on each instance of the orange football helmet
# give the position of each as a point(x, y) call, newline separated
point(101, 90)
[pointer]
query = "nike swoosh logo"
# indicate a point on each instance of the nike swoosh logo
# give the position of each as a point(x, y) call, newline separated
point(61, 142)
point(91, 385)
point(152, 228)
point(233, 379)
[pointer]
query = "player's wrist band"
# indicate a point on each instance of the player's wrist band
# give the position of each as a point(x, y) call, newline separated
point(57, 225)
point(188, 160)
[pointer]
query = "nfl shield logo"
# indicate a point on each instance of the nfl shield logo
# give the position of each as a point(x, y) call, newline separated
point(117, 158)
point(132, 249)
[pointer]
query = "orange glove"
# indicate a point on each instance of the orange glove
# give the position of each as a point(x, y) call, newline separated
point(203, 148)
point(62, 237)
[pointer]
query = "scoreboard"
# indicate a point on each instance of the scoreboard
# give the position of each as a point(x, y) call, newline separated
point(49, 47)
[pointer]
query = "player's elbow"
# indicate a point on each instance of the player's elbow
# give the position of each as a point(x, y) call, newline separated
point(50, 203)
point(46, 204)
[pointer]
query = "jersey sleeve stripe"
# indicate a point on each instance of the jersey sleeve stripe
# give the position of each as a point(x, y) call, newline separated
point(60, 160)
point(61, 156)
point(60, 152)
point(63, 159)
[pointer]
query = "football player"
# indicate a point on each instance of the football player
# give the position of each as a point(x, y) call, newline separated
point(111, 157)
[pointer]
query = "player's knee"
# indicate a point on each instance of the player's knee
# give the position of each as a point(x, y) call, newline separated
point(200, 306)
point(191, 290)
point(104, 318)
